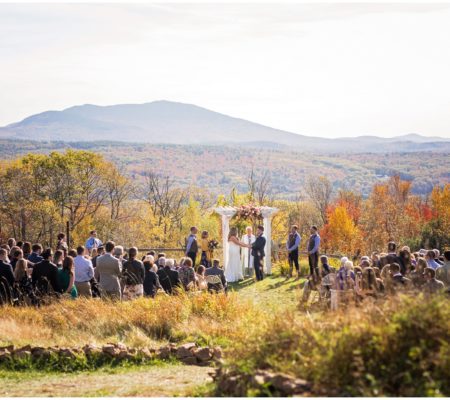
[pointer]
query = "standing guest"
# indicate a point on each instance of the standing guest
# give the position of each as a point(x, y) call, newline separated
point(325, 267)
point(62, 245)
point(205, 258)
point(93, 241)
point(432, 285)
point(66, 277)
point(217, 271)
point(443, 273)
point(192, 245)
point(26, 250)
point(100, 252)
point(108, 271)
point(58, 258)
point(72, 253)
point(417, 276)
point(151, 280)
point(187, 274)
point(6, 270)
point(247, 258)
point(392, 257)
point(134, 273)
point(375, 260)
point(292, 246)
point(200, 278)
point(35, 255)
point(118, 253)
point(430, 256)
point(84, 272)
point(46, 269)
point(163, 277)
point(313, 252)
point(20, 273)
point(17, 254)
point(258, 253)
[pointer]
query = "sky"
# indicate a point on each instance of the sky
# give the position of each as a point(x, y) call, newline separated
point(328, 70)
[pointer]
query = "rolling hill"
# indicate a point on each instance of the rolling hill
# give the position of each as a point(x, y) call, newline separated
point(178, 123)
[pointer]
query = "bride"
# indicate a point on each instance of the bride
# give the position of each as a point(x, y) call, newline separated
point(233, 270)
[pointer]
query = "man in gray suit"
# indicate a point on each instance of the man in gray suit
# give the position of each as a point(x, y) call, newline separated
point(216, 270)
point(108, 271)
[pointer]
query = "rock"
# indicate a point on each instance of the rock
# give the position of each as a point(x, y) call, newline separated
point(124, 355)
point(9, 348)
point(145, 353)
point(67, 353)
point(185, 350)
point(121, 346)
point(5, 355)
point(40, 352)
point(24, 348)
point(190, 360)
point(165, 352)
point(217, 353)
point(203, 354)
point(91, 349)
point(21, 354)
point(110, 350)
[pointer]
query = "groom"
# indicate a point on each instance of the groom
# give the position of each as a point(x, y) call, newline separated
point(258, 253)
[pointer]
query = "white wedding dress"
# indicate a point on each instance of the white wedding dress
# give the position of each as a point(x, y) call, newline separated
point(233, 269)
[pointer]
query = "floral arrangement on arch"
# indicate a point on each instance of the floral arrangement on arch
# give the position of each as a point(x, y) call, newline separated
point(248, 212)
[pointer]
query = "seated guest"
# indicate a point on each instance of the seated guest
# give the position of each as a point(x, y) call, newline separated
point(6, 270)
point(134, 273)
point(35, 255)
point(108, 271)
point(437, 255)
point(93, 241)
point(429, 257)
point(443, 273)
point(46, 269)
point(187, 274)
point(200, 278)
point(398, 280)
point(432, 285)
point(66, 277)
point(151, 280)
point(84, 272)
point(215, 270)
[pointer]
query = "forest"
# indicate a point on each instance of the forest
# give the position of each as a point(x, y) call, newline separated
point(44, 194)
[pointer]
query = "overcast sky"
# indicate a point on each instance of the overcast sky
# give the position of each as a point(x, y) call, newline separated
point(316, 69)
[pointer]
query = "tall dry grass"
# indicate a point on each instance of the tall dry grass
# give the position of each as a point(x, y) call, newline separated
point(212, 319)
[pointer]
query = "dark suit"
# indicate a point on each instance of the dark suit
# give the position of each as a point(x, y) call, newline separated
point(219, 272)
point(47, 270)
point(151, 282)
point(6, 271)
point(258, 256)
point(169, 279)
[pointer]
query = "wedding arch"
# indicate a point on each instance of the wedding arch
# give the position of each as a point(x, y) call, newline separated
point(267, 213)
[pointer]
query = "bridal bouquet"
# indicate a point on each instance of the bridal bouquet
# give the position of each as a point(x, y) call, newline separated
point(248, 212)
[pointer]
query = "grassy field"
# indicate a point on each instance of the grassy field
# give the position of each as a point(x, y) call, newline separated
point(395, 347)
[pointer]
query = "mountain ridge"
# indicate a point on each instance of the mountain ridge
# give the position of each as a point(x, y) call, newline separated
point(164, 121)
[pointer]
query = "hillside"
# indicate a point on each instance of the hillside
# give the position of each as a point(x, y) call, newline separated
point(178, 123)
point(220, 168)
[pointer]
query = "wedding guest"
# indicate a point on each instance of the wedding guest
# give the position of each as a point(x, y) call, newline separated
point(100, 252)
point(432, 285)
point(93, 241)
point(187, 274)
point(200, 278)
point(216, 270)
point(313, 252)
point(325, 267)
point(72, 253)
point(84, 272)
point(443, 272)
point(62, 245)
point(66, 277)
point(399, 281)
point(58, 258)
point(437, 255)
point(6, 270)
point(134, 273)
point(292, 246)
point(108, 271)
point(21, 271)
point(417, 274)
point(35, 255)
point(192, 245)
point(430, 256)
point(26, 249)
point(46, 269)
point(151, 280)
point(205, 258)
point(11, 242)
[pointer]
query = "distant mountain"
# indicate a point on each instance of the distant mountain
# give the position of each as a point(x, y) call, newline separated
point(179, 123)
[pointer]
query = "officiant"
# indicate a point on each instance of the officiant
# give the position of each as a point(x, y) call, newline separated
point(246, 254)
